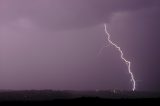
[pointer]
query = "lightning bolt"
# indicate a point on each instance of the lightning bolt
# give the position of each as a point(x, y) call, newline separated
point(128, 63)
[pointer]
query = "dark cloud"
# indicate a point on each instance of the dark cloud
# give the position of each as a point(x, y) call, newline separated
point(67, 14)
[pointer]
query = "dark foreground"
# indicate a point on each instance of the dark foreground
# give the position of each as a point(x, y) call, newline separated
point(80, 97)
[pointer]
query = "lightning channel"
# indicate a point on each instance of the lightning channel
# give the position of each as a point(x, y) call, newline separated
point(128, 63)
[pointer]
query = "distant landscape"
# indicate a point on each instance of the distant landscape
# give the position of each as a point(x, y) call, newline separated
point(49, 95)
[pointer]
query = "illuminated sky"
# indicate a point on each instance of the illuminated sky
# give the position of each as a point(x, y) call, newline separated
point(54, 44)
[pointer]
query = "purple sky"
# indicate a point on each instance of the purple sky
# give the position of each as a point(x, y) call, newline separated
point(54, 44)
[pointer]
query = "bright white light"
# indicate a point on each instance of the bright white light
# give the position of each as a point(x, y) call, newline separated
point(128, 63)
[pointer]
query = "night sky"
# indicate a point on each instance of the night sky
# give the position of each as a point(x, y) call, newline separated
point(55, 44)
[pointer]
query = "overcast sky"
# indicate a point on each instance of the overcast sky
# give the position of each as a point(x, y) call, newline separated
point(55, 44)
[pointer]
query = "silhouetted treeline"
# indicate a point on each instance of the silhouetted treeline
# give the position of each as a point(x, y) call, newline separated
point(49, 95)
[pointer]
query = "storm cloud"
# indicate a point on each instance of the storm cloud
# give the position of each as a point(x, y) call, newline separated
point(54, 44)
point(66, 14)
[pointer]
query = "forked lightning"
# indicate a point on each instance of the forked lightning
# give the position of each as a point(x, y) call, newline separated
point(128, 63)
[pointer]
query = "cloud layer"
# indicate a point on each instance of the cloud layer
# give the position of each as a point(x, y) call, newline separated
point(66, 14)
